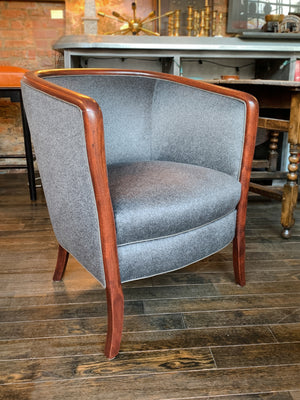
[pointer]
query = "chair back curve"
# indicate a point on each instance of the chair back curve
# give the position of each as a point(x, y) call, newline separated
point(143, 114)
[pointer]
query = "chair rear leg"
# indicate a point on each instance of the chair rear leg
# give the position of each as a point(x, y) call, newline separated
point(239, 254)
point(62, 259)
point(115, 316)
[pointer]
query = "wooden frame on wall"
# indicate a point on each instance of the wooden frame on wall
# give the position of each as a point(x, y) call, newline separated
point(249, 15)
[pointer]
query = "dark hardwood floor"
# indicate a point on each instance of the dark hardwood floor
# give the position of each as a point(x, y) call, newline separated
point(192, 334)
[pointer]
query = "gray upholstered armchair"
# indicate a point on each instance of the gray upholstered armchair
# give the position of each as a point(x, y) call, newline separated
point(143, 172)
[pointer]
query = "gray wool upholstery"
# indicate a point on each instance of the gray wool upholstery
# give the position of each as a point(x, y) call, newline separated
point(58, 136)
point(169, 215)
point(155, 257)
point(198, 127)
point(155, 119)
point(159, 198)
point(174, 155)
point(126, 107)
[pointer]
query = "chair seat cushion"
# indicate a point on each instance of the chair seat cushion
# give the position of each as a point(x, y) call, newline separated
point(157, 199)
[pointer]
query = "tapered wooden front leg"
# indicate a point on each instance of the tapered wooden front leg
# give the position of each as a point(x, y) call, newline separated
point(115, 316)
point(239, 242)
point(62, 259)
point(239, 254)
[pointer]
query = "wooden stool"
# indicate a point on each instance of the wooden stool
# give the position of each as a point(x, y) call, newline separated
point(10, 86)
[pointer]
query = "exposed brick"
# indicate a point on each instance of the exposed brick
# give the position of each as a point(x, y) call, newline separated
point(14, 14)
point(20, 44)
point(57, 24)
point(11, 54)
point(46, 33)
point(20, 4)
point(42, 45)
point(40, 24)
point(20, 25)
point(31, 54)
point(39, 12)
point(11, 34)
point(5, 24)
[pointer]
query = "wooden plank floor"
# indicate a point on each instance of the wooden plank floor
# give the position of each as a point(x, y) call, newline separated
point(191, 334)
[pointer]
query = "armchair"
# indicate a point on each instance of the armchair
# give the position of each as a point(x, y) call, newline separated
point(143, 172)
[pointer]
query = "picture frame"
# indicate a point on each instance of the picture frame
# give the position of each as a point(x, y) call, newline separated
point(249, 15)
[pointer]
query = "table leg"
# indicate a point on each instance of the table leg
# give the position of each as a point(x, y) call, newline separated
point(273, 153)
point(290, 193)
point(28, 152)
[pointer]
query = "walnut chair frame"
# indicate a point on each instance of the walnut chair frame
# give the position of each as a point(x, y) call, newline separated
point(40, 81)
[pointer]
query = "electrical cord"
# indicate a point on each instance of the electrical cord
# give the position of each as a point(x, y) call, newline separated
point(220, 64)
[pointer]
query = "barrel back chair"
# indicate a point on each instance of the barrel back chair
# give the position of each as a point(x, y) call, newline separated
point(143, 172)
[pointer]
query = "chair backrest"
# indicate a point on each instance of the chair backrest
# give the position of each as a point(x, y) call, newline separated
point(148, 118)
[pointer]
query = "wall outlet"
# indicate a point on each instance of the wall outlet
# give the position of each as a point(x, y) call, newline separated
point(57, 14)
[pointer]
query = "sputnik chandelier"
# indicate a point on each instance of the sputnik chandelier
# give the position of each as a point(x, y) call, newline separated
point(134, 25)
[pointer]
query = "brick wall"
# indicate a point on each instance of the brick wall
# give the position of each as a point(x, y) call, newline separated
point(27, 33)
point(75, 12)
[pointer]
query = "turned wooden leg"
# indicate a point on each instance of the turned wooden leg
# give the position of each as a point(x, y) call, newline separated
point(62, 259)
point(273, 153)
point(115, 316)
point(290, 193)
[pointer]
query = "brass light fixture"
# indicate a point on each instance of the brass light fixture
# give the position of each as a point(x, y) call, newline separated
point(134, 25)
